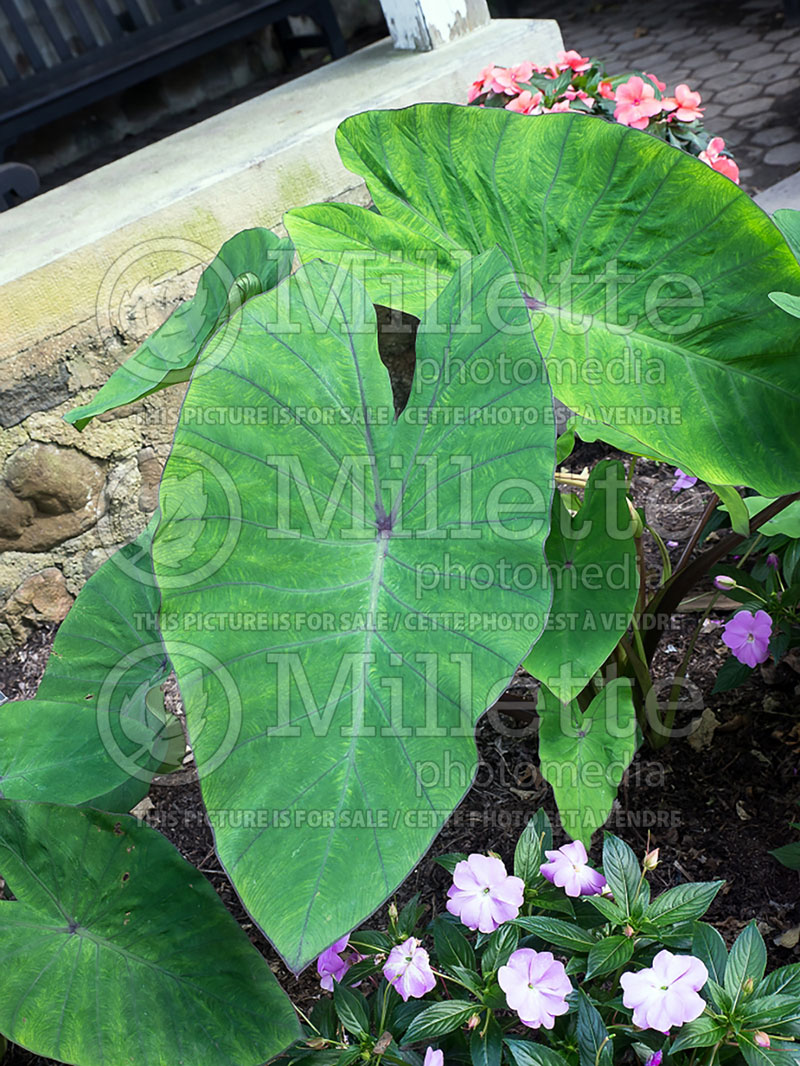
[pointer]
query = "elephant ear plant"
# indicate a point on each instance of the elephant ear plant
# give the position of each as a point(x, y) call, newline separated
point(343, 591)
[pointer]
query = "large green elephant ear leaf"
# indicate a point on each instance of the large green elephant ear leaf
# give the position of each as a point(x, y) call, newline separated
point(91, 735)
point(583, 755)
point(595, 580)
point(386, 580)
point(648, 273)
point(253, 261)
point(115, 951)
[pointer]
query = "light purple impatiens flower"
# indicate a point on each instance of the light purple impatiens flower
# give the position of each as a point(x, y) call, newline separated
point(483, 895)
point(567, 868)
point(747, 635)
point(408, 969)
point(666, 993)
point(536, 987)
point(433, 1057)
point(331, 966)
point(683, 481)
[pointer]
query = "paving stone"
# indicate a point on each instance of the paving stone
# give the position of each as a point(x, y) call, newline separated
point(784, 155)
point(721, 70)
point(785, 86)
point(746, 51)
point(755, 108)
point(775, 135)
point(733, 94)
point(756, 63)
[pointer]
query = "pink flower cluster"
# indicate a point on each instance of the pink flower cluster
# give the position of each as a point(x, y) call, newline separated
point(638, 101)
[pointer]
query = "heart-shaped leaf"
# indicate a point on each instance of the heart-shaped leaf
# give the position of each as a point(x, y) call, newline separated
point(583, 755)
point(89, 736)
point(648, 273)
point(595, 578)
point(252, 261)
point(116, 951)
point(370, 607)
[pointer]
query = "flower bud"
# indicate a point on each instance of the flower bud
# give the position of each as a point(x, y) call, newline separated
point(655, 1059)
point(392, 912)
point(722, 581)
point(317, 1042)
point(774, 562)
point(761, 1038)
point(748, 986)
point(474, 1021)
point(628, 931)
point(650, 860)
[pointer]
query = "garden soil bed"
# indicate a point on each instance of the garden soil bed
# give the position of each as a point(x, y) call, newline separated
point(714, 812)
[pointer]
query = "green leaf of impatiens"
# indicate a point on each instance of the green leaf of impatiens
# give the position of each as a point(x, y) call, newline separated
point(747, 960)
point(683, 902)
point(438, 1019)
point(583, 755)
point(704, 1031)
point(486, 1043)
point(648, 272)
point(90, 736)
point(779, 1053)
point(622, 871)
point(709, 947)
point(555, 932)
point(608, 954)
point(595, 579)
point(351, 1008)
point(528, 1053)
point(360, 594)
point(784, 981)
point(452, 947)
point(535, 839)
point(116, 951)
point(253, 261)
point(594, 1041)
point(502, 944)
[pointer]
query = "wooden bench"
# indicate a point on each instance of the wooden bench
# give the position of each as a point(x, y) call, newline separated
point(57, 56)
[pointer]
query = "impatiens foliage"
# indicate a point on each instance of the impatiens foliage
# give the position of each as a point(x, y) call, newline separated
point(617, 978)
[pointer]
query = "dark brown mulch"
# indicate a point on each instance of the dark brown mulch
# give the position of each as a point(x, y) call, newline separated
point(713, 813)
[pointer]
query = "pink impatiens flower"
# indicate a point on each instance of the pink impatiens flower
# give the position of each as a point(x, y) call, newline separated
point(721, 163)
point(483, 895)
point(666, 993)
point(481, 83)
point(433, 1057)
point(536, 987)
point(636, 103)
point(572, 60)
point(408, 970)
point(606, 90)
point(660, 85)
point(747, 636)
point(567, 868)
point(684, 104)
point(525, 103)
point(331, 966)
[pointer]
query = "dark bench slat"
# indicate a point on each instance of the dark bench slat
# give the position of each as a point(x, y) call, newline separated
point(75, 12)
point(134, 12)
point(23, 35)
point(7, 64)
point(52, 29)
point(110, 20)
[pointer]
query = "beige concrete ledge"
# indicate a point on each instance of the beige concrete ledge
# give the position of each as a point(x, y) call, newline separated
point(241, 168)
point(91, 269)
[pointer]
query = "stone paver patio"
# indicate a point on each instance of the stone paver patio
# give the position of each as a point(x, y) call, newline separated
point(739, 56)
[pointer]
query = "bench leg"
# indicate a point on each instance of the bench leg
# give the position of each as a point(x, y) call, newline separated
point(18, 179)
point(329, 24)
